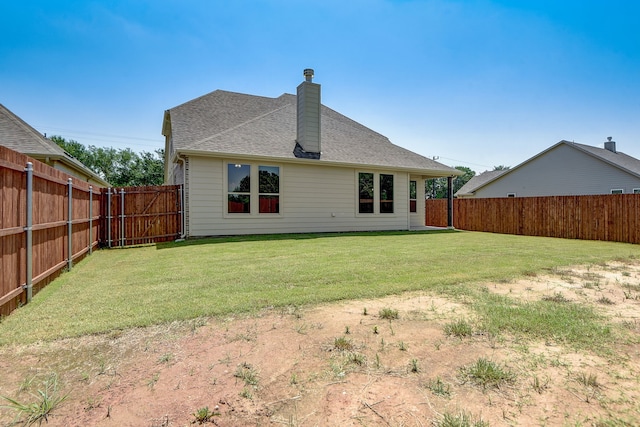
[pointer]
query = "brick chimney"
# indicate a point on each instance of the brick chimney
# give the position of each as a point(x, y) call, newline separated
point(308, 135)
point(610, 145)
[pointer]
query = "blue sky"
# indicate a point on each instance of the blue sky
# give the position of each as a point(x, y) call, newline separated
point(476, 83)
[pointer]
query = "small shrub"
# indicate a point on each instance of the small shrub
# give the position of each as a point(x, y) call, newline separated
point(459, 328)
point(389, 314)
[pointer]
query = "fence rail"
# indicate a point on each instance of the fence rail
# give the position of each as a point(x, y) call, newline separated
point(611, 217)
point(49, 221)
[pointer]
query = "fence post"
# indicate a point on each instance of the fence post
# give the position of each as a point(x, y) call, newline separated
point(90, 219)
point(108, 217)
point(450, 202)
point(122, 236)
point(29, 231)
point(70, 224)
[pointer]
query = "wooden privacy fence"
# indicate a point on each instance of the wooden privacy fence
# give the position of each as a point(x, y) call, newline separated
point(48, 220)
point(611, 217)
point(139, 215)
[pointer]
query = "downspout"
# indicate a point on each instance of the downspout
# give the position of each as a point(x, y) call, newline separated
point(183, 232)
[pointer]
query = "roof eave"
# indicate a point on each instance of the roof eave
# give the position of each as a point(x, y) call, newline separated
point(426, 172)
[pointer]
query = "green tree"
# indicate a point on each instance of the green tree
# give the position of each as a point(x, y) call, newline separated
point(437, 188)
point(120, 168)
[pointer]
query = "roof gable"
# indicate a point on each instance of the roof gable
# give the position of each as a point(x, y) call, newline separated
point(618, 160)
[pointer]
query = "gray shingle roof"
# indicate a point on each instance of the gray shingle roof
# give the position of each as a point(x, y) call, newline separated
point(619, 159)
point(233, 123)
point(17, 135)
point(478, 181)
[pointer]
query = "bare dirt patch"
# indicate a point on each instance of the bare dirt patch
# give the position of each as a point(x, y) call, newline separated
point(343, 364)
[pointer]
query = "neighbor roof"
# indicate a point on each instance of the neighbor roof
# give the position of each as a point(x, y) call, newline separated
point(231, 123)
point(478, 181)
point(17, 135)
point(616, 159)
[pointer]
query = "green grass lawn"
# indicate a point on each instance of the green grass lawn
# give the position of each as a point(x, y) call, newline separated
point(124, 288)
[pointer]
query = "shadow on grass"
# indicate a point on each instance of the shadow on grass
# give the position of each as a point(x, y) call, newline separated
point(291, 236)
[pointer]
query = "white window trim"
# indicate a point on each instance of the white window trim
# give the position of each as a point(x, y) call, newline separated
point(254, 188)
point(636, 191)
point(617, 191)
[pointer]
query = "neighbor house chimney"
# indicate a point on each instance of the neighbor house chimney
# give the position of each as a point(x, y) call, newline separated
point(610, 145)
point(308, 135)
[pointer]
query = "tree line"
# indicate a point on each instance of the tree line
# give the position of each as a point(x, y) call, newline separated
point(437, 188)
point(119, 167)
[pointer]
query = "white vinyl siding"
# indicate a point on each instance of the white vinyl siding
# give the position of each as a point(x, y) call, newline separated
point(313, 199)
point(563, 171)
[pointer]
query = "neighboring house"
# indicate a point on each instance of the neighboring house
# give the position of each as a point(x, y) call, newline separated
point(19, 136)
point(565, 169)
point(252, 164)
point(476, 182)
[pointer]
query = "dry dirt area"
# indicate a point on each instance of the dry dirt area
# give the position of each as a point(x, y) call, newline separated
point(343, 365)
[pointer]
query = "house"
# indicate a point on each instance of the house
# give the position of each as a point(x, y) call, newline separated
point(565, 169)
point(253, 164)
point(19, 136)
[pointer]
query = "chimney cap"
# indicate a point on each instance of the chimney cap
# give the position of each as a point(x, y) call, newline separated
point(308, 74)
point(609, 138)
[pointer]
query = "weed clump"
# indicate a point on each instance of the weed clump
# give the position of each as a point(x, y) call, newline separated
point(460, 329)
point(487, 373)
point(389, 314)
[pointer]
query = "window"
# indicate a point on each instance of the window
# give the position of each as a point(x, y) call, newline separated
point(511, 194)
point(253, 189)
point(386, 193)
point(365, 192)
point(269, 189)
point(413, 196)
point(239, 188)
point(636, 191)
point(617, 191)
